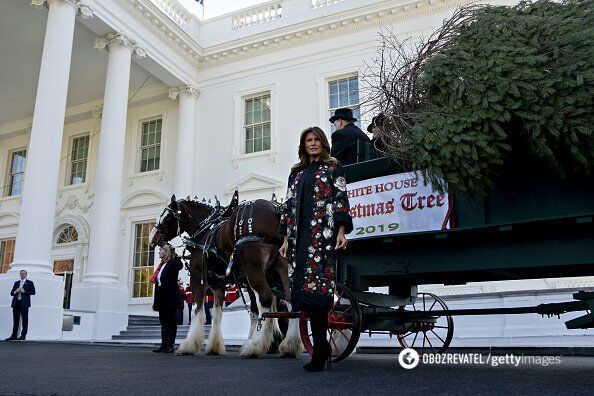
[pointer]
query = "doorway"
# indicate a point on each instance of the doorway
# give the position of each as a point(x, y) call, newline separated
point(65, 269)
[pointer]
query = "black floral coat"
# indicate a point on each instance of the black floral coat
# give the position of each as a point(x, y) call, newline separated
point(315, 207)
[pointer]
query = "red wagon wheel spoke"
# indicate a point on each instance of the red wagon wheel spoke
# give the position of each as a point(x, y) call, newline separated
point(344, 312)
point(337, 301)
point(335, 347)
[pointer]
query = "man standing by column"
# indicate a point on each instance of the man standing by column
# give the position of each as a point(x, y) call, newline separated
point(21, 301)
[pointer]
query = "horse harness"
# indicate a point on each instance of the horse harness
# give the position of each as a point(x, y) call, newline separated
point(212, 254)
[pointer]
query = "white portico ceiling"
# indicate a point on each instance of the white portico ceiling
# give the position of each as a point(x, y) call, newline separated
point(22, 30)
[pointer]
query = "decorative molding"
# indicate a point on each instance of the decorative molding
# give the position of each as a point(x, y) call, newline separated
point(97, 113)
point(105, 42)
point(151, 198)
point(78, 222)
point(82, 9)
point(148, 12)
point(9, 219)
point(263, 183)
point(569, 284)
point(324, 3)
point(183, 90)
point(326, 30)
point(73, 202)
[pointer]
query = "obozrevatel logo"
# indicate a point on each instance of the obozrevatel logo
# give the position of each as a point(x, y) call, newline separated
point(408, 358)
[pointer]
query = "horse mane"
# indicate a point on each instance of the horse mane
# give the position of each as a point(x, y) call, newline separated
point(197, 205)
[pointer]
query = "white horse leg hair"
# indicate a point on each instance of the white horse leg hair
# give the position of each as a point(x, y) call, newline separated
point(195, 337)
point(261, 339)
point(216, 344)
point(291, 345)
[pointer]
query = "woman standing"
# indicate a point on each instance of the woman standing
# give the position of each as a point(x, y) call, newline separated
point(167, 297)
point(314, 222)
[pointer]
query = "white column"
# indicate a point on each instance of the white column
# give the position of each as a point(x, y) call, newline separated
point(186, 132)
point(100, 290)
point(37, 214)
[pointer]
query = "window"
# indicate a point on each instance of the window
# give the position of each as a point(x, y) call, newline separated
point(67, 235)
point(257, 123)
point(78, 160)
point(344, 92)
point(150, 145)
point(16, 175)
point(6, 254)
point(143, 264)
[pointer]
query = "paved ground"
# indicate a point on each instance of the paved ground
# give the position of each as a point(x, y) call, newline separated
point(62, 369)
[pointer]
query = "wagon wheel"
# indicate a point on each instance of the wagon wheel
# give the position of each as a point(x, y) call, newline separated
point(431, 334)
point(344, 325)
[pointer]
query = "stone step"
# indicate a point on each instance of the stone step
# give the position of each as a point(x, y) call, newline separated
point(155, 334)
point(158, 327)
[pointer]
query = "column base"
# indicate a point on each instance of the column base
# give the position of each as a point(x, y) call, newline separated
point(109, 302)
point(46, 312)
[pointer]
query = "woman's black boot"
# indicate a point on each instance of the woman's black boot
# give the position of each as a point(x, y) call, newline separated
point(322, 349)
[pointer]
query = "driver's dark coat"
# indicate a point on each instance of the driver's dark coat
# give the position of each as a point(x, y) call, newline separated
point(167, 294)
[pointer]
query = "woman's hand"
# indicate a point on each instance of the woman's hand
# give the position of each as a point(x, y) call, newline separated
point(284, 247)
point(341, 241)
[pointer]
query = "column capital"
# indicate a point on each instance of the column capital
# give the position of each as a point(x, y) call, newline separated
point(183, 90)
point(82, 9)
point(105, 42)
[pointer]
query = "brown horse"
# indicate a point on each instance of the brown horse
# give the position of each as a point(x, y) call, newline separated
point(249, 237)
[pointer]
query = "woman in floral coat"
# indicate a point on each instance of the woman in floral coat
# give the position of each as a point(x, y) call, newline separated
point(314, 222)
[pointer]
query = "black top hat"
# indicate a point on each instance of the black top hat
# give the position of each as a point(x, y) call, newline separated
point(377, 121)
point(343, 114)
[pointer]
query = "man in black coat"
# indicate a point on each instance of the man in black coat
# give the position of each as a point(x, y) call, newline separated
point(344, 140)
point(167, 298)
point(21, 293)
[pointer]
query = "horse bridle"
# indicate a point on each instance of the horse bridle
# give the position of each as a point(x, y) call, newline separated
point(202, 226)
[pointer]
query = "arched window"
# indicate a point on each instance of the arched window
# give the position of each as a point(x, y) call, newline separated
point(67, 235)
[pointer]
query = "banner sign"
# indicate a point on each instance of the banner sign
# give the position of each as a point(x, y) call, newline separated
point(396, 204)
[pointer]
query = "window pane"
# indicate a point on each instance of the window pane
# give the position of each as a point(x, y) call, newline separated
point(334, 101)
point(333, 87)
point(266, 143)
point(18, 162)
point(258, 145)
point(343, 99)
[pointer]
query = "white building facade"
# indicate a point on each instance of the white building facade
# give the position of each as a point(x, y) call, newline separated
point(110, 106)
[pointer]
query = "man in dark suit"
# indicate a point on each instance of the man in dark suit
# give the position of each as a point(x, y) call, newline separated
point(21, 293)
point(344, 140)
point(167, 298)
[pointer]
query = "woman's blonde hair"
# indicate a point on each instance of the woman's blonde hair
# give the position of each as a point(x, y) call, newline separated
point(302, 152)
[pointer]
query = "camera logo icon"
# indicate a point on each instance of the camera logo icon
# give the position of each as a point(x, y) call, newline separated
point(408, 358)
